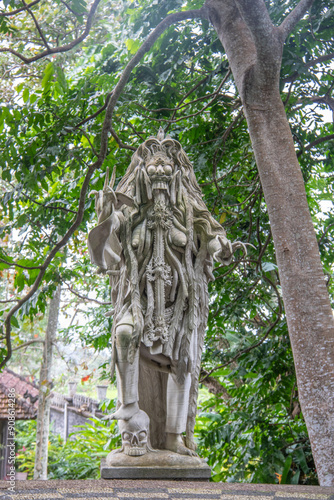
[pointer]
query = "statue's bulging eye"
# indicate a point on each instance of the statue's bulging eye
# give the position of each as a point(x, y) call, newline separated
point(126, 436)
point(151, 169)
point(168, 169)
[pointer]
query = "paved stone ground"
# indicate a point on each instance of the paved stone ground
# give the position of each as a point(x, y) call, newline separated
point(157, 490)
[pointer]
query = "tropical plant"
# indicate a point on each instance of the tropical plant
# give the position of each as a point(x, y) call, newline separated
point(78, 458)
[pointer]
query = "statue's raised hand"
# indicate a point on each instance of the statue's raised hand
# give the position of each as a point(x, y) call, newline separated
point(222, 249)
point(105, 199)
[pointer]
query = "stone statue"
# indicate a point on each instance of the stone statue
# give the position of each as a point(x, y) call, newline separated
point(156, 240)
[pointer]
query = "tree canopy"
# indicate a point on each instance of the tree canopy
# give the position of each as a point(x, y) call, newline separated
point(83, 84)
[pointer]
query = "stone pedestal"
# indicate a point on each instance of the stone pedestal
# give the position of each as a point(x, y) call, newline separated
point(161, 464)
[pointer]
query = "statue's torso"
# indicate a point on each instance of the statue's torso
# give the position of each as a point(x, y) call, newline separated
point(159, 243)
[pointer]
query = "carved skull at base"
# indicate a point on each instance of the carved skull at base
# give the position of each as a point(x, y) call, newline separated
point(135, 434)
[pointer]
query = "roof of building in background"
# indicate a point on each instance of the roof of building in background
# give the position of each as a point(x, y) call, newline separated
point(26, 396)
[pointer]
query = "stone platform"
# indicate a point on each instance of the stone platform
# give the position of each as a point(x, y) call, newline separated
point(160, 464)
point(157, 490)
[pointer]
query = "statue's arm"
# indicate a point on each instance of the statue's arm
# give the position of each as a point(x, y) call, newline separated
point(103, 242)
point(218, 245)
point(107, 200)
point(221, 249)
point(104, 245)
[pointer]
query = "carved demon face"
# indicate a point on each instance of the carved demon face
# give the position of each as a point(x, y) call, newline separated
point(160, 169)
point(135, 434)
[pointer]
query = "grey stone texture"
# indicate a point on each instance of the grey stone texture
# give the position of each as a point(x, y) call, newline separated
point(161, 464)
point(154, 490)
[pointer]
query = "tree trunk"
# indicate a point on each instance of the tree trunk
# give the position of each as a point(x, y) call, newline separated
point(306, 301)
point(308, 310)
point(43, 415)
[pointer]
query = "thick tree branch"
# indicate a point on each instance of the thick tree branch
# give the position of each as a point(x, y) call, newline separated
point(267, 40)
point(16, 11)
point(294, 17)
point(318, 60)
point(326, 99)
point(214, 386)
point(63, 48)
point(237, 40)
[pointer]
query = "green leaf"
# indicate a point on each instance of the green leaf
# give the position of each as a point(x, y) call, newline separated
point(14, 322)
point(48, 74)
point(132, 45)
point(251, 375)
point(286, 469)
point(301, 460)
point(20, 281)
point(19, 87)
point(295, 477)
point(61, 78)
point(222, 372)
point(79, 6)
point(25, 95)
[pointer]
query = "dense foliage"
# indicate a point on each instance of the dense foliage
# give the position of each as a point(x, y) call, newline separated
point(78, 458)
point(250, 428)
